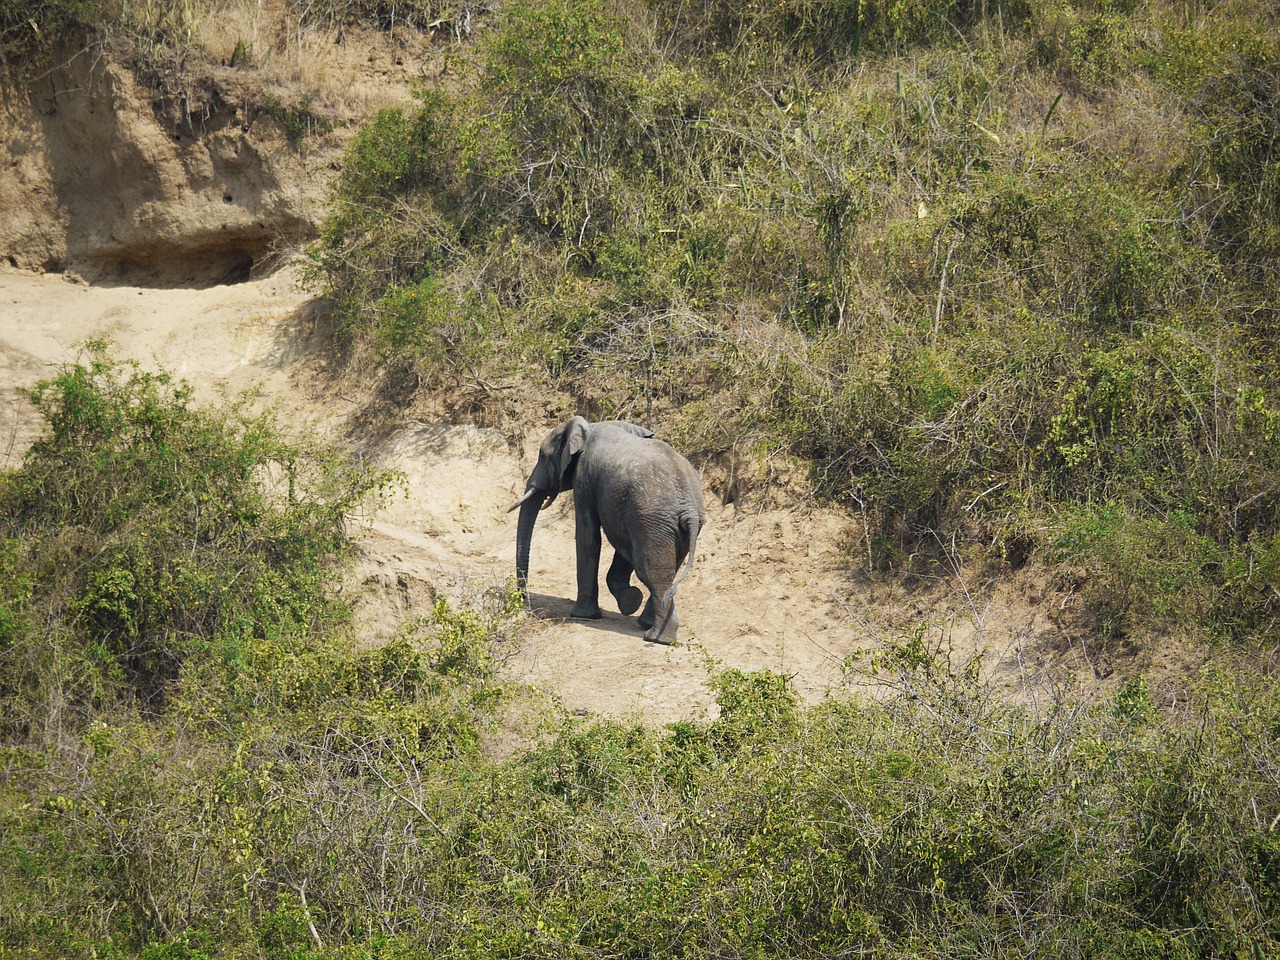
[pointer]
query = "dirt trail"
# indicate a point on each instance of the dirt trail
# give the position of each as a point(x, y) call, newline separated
point(771, 589)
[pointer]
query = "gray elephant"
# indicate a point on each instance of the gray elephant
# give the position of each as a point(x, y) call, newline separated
point(646, 497)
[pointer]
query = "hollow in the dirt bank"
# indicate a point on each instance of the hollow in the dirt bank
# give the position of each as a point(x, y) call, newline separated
point(196, 262)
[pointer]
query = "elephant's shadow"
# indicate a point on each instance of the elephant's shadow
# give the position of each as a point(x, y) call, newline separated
point(557, 608)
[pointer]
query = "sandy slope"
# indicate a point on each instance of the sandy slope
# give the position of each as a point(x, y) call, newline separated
point(772, 589)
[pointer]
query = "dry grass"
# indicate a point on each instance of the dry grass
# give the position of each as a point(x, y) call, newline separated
point(343, 71)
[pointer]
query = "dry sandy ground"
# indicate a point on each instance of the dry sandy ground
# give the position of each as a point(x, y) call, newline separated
point(771, 589)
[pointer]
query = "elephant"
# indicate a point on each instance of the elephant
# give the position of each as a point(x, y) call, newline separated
point(646, 497)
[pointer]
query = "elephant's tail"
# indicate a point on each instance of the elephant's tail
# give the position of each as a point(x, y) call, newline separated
point(668, 598)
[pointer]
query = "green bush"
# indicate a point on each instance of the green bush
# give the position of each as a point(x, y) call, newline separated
point(142, 531)
point(1141, 571)
point(829, 29)
point(1089, 46)
point(1249, 602)
point(374, 242)
point(322, 817)
point(304, 795)
point(528, 191)
point(1224, 73)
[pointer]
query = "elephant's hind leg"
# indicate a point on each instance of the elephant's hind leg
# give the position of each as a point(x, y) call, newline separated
point(660, 620)
point(618, 580)
point(664, 619)
point(646, 618)
point(656, 613)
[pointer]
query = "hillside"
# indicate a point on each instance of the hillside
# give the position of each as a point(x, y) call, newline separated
point(965, 314)
point(779, 583)
point(772, 589)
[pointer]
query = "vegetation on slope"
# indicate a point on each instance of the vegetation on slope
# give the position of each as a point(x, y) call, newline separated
point(142, 531)
point(994, 318)
point(194, 763)
point(1005, 274)
point(159, 35)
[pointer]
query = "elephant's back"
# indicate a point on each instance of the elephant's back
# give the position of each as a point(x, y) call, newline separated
point(647, 479)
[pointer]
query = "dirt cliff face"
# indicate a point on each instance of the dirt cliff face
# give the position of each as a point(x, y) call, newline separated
point(100, 177)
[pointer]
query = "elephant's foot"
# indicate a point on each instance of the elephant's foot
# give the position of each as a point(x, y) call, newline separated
point(668, 636)
point(629, 600)
point(585, 611)
point(667, 623)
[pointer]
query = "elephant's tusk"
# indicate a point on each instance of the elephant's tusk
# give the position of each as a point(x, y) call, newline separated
point(532, 491)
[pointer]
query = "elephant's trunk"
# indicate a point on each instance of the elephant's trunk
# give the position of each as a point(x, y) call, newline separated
point(524, 536)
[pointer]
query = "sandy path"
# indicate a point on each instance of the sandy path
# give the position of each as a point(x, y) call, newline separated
point(762, 594)
point(770, 590)
point(222, 338)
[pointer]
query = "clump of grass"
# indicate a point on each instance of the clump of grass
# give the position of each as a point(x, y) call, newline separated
point(28, 27)
point(298, 121)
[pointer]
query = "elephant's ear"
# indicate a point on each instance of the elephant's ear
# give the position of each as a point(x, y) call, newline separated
point(575, 438)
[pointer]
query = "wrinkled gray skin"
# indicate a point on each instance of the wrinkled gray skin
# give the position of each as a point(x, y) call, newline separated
point(645, 496)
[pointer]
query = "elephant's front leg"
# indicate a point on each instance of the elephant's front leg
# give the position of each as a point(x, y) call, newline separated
point(619, 581)
point(587, 538)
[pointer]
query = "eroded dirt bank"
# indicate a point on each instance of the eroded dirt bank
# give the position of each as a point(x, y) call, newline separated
point(96, 179)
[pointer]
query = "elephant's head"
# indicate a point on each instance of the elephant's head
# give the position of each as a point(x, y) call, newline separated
point(552, 475)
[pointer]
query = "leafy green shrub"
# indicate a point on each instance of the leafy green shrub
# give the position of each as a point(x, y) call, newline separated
point(1140, 571)
point(1091, 46)
point(913, 824)
point(397, 153)
point(823, 28)
point(365, 249)
point(1249, 602)
point(290, 800)
point(445, 334)
point(518, 192)
point(1224, 70)
point(751, 706)
point(145, 531)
